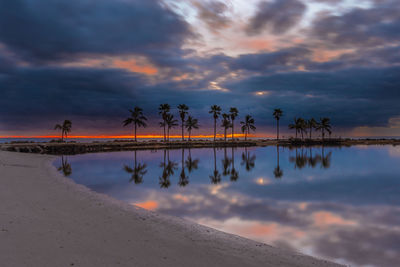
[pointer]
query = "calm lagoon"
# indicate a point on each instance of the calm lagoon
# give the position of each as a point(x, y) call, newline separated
point(341, 204)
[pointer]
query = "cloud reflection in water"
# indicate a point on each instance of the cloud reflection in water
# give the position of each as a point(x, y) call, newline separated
point(336, 203)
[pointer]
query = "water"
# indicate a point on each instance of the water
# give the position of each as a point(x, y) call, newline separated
point(341, 204)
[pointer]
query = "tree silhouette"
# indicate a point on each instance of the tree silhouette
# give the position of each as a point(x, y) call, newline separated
point(226, 123)
point(138, 171)
point(312, 123)
point(216, 176)
point(65, 128)
point(247, 125)
point(324, 125)
point(233, 113)
point(190, 124)
point(164, 111)
point(170, 122)
point(137, 118)
point(182, 113)
point(216, 111)
point(277, 115)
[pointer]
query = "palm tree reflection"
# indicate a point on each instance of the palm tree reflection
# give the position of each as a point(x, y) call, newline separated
point(226, 163)
point(248, 160)
point(183, 179)
point(65, 167)
point(216, 176)
point(168, 170)
point(302, 160)
point(234, 172)
point(278, 172)
point(138, 171)
point(191, 164)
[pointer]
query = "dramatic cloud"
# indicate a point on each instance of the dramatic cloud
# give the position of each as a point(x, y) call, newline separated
point(277, 16)
point(213, 14)
point(43, 30)
point(360, 27)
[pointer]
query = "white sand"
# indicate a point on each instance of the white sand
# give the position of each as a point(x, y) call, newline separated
point(48, 220)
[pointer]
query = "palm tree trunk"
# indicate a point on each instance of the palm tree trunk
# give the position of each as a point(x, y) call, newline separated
point(277, 129)
point(189, 134)
point(245, 136)
point(168, 134)
point(215, 128)
point(62, 136)
point(232, 128)
point(225, 134)
point(183, 138)
point(135, 132)
point(165, 139)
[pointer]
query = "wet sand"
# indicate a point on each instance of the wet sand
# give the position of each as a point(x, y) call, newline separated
point(48, 220)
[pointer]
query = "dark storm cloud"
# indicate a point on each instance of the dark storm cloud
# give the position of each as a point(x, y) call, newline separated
point(42, 30)
point(360, 27)
point(284, 59)
point(213, 14)
point(351, 97)
point(277, 16)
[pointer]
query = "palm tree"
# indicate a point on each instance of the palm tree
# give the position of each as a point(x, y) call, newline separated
point(170, 122)
point(190, 124)
point(65, 129)
point(312, 123)
point(233, 112)
point(247, 125)
point(137, 118)
point(277, 115)
point(216, 176)
point(138, 171)
point(226, 123)
point(183, 179)
point(234, 173)
point(302, 126)
point(216, 111)
point(182, 113)
point(278, 172)
point(324, 125)
point(294, 126)
point(163, 111)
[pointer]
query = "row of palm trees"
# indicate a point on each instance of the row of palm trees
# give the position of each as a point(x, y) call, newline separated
point(301, 126)
point(189, 123)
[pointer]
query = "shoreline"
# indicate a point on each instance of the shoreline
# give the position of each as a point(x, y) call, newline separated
point(70, 148)
point(49, 220)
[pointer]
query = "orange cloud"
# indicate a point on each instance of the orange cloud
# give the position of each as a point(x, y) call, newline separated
point(325, 218)
point(134, 66)
point(148, 205)
point(327, 55)
point(257, 44)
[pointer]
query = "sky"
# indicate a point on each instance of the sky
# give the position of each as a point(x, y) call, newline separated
point(89, 61)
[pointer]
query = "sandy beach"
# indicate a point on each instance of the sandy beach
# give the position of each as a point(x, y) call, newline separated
point(48, 220)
